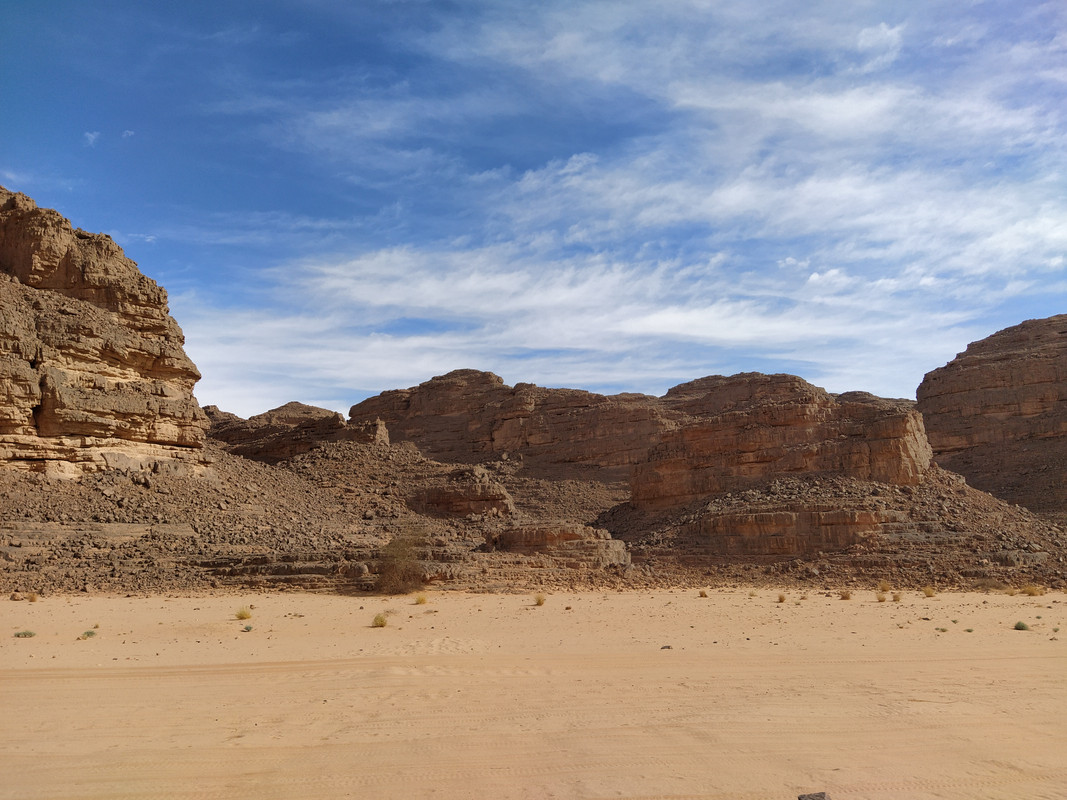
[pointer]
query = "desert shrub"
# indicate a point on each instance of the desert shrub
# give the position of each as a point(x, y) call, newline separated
point(880, 597)
point(896, 597)
point(929, 591)
point(845, 594)
point(399, 570)
point(25, 635)
point(244, 612)
point(539, 599)
point(1021, 626)
point(1011, 591)
point(88, 635)
point(246, 628)
point(32, 597)
point(379, 621)
point(703, 592)
point(420, 599)
point(989, 585)
point(1033, 591)
point(781, 598)
point(884, 585)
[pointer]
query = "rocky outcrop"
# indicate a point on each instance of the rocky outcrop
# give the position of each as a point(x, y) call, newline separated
point(574, 546)
point(287, 431)
point(997, 414)
point(470, 490)
point(93, 373)
point(471, 416)
point(747, 429)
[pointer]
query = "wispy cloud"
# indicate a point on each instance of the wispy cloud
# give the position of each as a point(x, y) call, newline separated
point(90, 138)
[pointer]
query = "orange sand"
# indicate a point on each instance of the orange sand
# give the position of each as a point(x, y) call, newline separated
point(489, 696)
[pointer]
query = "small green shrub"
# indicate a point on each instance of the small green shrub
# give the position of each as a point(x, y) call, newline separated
point(88, 635)
point(399, 570)
point(246, 628)
point(379, 621)
point(25, 635)
point(1021, 626)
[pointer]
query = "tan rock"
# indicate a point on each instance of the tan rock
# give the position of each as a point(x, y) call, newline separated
point(93, 373)
point(997, 413)
point(574, 545)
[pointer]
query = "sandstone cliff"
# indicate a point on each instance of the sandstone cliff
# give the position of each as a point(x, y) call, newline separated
point(93, 374)
point(471, 416)
point(997, 413)
point(746, 429)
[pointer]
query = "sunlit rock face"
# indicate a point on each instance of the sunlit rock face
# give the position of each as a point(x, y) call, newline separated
point(747, 429)
point(997, 413)
point(93, 373)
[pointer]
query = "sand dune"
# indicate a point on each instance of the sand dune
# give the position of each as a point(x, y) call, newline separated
point(622, 695)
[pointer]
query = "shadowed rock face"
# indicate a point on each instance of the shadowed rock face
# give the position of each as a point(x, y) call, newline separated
point(997, 413)
point(93, 373)
point(746, 429)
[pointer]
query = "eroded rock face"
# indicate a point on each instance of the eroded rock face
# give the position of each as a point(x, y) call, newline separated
point(747, 429)
point(576, 546)
point(470, 490)
point(93, 373)
point(471, 416)
point(287, 431)
point(997, 413)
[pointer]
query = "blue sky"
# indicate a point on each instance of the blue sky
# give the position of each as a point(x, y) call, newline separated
point(343, 198)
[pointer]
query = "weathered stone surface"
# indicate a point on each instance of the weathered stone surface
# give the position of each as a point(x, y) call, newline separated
point(469, 490)
point(746, 429)
point(574, 545)
point(471, 416)
point(93, 373)
point(997, 413)
point(288, 430)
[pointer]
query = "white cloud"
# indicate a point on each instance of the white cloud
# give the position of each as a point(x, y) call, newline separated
point(90, 138)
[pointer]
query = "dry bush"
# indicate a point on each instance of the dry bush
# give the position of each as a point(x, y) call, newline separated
point(244, 612)
point(539, 599)
point(32, 597)
point(989, 585)
point(845, 594)
point(1011, 591)
point(896, 597)
point(703, 593)
point(420, 599)
point(379, 621)
point(928, 591)
point(884, 585)
point(1033, 591)
point(781, 598)
point(399, 570)
point(880, 597)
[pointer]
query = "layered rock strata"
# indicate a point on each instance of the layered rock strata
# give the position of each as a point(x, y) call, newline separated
point(472, 416)
point(575, 546)
point(93, 374)
point(997, 414)
point(747, 429)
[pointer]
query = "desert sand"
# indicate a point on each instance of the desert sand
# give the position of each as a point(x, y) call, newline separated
point(620, 695)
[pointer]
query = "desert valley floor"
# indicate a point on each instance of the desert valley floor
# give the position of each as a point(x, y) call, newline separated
point(660, 694)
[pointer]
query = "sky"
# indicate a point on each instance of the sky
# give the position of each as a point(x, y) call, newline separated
point(347, 197)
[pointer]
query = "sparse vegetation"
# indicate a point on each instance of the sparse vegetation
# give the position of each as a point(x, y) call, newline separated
point(420, 599)
point(896, 597)
point(88, 635)
point(752, 593)
point(539, 599)
point(1021, 626)
point(880, 597)
point(32, 597)
point(969, 630)
point(1011, 591)
point(244, 612)
point(781, 598)
point(703, 592)
point(1033, 591)
point(246, 628)
point(379, 621)
point(928, 591)
point(845, 594)
point(399, 570)
point(884, 585)
point(25, 635)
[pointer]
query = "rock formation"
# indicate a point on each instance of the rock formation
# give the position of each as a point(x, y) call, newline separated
point(747, 429)
point(576, 546)
point(471, 416)
point(287, 431)
point(997, 414)
point(93, 373)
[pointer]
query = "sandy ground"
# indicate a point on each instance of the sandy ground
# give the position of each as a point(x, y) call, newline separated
point(620, 695)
